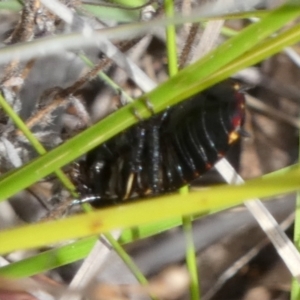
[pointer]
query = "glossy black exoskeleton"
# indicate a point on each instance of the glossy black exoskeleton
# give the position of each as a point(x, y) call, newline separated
point(167, 151)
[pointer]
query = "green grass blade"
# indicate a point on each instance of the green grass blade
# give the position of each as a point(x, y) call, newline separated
point(77, 250)
point(215, 60)
point(147, 211)
point(130, 3)
point(186, 221)
point(130, 235)
point(49, 259)
point(171, 40)
point(191, 259)
point(257, 54)
point(144, 231)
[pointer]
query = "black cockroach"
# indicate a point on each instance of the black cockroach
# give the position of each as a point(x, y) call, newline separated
point(165, 152)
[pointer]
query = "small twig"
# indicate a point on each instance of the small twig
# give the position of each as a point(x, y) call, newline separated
point(24, 31)
point(9, 71)
point(14, 76)
point(104, 63)
point(186, 9)
point(27, 68)
point(188, 45)
point(208, 39)
point(61, 98)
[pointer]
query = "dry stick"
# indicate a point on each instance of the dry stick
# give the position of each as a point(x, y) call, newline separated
point(61, 98)
point(58, 102)
point(188, 45)
point(24, 73)
point(209, 39)
point(124, 46)
point(27, 68)
point(23, 32)
point(12, 78)
point(25, 29)
point(191, 29)
point(85, 78)
point(9, 71)
point(207, 42)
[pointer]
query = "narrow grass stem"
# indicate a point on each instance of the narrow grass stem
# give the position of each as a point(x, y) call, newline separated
point(128, 261)
point(171, 40)
point(191, 260)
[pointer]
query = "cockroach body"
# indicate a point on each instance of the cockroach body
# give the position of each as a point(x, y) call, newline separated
point(165, 152)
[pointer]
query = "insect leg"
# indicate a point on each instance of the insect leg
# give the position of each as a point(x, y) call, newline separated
point(134, 181)
point(87, 199)
point(173, 176)
point(98, 170)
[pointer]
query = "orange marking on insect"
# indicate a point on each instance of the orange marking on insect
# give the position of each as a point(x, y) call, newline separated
point(221, 154)
point(233, 136)
point(208, 166)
